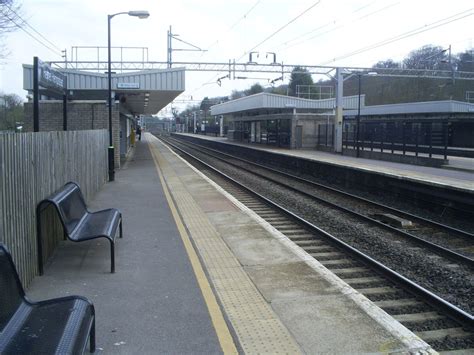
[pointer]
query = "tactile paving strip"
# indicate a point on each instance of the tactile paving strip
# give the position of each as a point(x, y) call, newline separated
point(257, 327)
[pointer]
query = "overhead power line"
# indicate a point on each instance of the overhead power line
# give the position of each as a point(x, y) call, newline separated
point(39, 34)
point(280, 29)
point(288, 44)
point(424, 28)
point(211, 81)
point(243, 17)
point(21, 26)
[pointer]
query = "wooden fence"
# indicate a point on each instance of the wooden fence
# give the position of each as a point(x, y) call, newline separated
point(34, 165)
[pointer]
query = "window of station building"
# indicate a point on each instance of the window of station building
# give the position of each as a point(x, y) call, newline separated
point(284, 133)
point(272, 130)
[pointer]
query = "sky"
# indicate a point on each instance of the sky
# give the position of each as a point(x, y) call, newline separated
point(300, 32)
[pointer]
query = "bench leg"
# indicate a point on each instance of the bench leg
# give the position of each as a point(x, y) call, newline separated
point(112, 256)
point(120, 226)
point(92, 337)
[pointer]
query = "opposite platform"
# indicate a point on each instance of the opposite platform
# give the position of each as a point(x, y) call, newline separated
point(461, 178)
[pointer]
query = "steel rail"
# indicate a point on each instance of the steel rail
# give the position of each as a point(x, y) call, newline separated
point(429, 297)
point(434, 247)
point(344, 193)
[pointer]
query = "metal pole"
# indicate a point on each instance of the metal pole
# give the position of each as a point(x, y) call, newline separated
point(416, 141)
point(358, 118)
point(446, 137)
point(431, 140)
point(339, 114)
point(35, 95)
point(111, 151)
point(65, 105)
point(403, 137)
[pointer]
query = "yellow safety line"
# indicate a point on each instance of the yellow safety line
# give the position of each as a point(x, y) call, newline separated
point(217, 318)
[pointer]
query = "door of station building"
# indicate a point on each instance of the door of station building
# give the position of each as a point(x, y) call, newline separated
point(299, 137)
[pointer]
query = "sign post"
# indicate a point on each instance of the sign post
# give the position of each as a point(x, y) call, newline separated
point(54, 81)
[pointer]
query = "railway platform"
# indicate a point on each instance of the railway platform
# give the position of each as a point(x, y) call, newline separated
point(198, 272)
point(459, 174)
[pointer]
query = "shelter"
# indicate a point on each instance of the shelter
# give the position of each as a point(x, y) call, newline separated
point(282, 121)
point(138, 93)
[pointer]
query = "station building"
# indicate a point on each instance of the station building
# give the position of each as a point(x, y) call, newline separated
point(136, 94)
point(283, 121)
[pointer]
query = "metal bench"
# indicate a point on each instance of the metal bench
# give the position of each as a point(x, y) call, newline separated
point(78, 223)
point(56, 326)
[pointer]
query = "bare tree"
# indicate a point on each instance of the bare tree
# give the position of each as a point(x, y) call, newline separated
point(10, 20)
point(427, 57)
point(387, 64)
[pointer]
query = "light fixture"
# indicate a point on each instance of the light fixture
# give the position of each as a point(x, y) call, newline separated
point(139, 14)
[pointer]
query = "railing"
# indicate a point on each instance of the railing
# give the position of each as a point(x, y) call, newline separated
point(427, 139)
point(33, 166)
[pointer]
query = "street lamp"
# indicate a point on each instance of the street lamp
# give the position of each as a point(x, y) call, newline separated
point(359, 76)
point(141, 15)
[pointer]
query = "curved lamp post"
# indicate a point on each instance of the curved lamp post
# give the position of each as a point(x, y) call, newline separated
point(141, 15)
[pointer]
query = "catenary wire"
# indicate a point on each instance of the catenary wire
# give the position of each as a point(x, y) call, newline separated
point(32, 36)
point(280, 29)
point(424, 28)
point(31, 27)
point(263, 41)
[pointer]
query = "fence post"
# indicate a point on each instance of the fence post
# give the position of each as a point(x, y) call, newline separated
point(382, 132)
point(416, 139)
point(431, 139)
point(446, 134)
point(327, 132)
point(393, 138)
point(354, 143)
point(372, 134)
point(403, 137)
point(319, 134)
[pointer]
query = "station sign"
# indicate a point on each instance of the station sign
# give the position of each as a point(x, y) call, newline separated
point(128, 85)
point(50, 78)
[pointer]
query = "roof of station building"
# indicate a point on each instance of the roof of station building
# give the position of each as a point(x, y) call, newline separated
point(272, 101)
point(444, 106)
point(141, 92)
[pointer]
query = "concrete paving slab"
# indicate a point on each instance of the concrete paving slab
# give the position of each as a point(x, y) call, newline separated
point(260, 251)
point(230, 218)
point(289, 281)
point(213, 202)
point(323, 324)
point(237, 232)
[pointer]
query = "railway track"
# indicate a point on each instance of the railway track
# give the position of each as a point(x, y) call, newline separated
point(438, 322)
point(441, 238)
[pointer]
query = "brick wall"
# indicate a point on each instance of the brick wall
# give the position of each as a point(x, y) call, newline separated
point(81, 115)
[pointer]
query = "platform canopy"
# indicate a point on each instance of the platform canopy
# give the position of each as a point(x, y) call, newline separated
point(272, 101)
point(444, 106)
point(141, 92)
